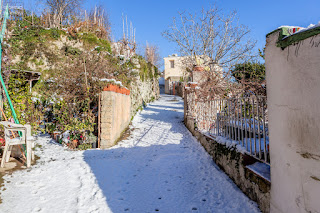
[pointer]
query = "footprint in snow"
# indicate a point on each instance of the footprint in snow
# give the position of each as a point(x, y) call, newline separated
point(218, 202)
point(36, 209)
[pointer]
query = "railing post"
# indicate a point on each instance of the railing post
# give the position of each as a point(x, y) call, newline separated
point(254, 127)
point(264, 132)
point(242, 137)
point(238, 122)
point(259, 135)
point(245, 124)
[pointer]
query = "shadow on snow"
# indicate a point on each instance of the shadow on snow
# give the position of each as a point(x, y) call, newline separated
point(178, 176)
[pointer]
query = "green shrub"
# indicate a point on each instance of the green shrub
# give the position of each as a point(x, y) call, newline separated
point(71, 50)
point(91, 40)
point(85, 146)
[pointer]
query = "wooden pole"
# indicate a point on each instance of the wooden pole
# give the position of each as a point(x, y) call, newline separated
point(99, 115)
point(85, 74)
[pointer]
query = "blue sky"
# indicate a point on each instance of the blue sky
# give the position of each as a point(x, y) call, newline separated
point(151, 17)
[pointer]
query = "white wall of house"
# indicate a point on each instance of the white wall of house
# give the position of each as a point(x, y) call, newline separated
point(173, 67)
point(174, 70)
point(293, 87)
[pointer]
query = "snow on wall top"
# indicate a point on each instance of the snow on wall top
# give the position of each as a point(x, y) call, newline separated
point(292, 34)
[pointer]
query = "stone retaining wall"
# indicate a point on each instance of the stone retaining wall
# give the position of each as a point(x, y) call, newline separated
point(143, 92)
point(119, 105)
point(233, 163)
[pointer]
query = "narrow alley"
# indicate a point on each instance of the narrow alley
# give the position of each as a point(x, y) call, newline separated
point(160, 167)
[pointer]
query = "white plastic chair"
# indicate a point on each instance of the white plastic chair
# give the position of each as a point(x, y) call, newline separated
point(25, 138)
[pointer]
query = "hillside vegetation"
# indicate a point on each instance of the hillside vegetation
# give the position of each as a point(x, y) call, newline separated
point(75, 63)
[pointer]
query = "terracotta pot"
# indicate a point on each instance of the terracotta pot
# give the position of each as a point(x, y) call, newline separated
point(192, 85)
point(198, 68)
point(74, 143)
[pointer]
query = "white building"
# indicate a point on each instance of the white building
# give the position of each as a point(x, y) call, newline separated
point(174, 71)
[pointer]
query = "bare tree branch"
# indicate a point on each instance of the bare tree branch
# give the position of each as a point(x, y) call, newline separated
point(62, 10)
point(216, 38)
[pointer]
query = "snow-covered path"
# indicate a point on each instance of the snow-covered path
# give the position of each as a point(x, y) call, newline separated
point(159, 168)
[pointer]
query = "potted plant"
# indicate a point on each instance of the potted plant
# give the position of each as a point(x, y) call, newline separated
point(74, 138)
point(50, 128)
point(198, 66)
point(91, 139)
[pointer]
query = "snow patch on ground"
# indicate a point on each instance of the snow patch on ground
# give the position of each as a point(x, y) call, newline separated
point(61, 181)
point(160, 167)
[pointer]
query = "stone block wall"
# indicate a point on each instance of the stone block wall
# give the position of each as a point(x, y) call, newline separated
point(180, 89)
point(115, 116)
point(119, 105)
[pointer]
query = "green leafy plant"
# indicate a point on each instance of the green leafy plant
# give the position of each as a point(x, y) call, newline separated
point(75, 136)
point(51, 127)
point(85, 146)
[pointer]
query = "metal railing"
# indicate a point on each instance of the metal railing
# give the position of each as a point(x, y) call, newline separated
point(243, 120)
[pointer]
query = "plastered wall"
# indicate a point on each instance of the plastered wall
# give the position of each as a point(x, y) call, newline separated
point(293, 88)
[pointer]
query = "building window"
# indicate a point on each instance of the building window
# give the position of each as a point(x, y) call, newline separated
point(172, 64)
